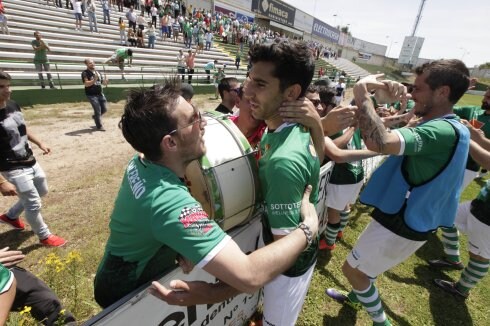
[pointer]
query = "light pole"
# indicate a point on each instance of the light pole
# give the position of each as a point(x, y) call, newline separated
point(389, 49)
point(465, 52)
point(338, 18)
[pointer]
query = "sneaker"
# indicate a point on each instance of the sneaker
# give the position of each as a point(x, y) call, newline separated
point(16, 224)
point(325, 246)
point(342, 297)
point(101, 128)
point(53, 241)
point(444, 263)
point(450, 287)
point(340, 234)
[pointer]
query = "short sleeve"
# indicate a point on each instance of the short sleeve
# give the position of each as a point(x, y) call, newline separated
point(429, 138)
point(180, 222)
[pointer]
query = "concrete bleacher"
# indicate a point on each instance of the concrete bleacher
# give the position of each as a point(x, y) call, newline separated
point(70, 47)
point(351, 69)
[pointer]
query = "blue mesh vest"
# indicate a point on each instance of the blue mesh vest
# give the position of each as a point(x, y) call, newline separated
point(426, 206)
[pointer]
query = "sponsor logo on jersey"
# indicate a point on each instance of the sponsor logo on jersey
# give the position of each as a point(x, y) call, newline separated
point(195, 219)
point(136, 184)
point(285, 209)
point(418, 143)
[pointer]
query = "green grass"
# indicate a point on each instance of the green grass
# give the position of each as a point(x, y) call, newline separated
point(470, 99)
point(85, 200)
point(407, 291)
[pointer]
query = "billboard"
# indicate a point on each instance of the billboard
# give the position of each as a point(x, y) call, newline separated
point(303, 21)
point(325, 31)
point(410, 51)
point(276, 10)
point(231, 12)
point(368, 47)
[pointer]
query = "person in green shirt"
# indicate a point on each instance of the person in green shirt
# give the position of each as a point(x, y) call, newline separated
point(41, 61)
point(478, 116)
point(416, 189)
point(118, 58)
point(156, 221)
point(281, 72)
point(473, 219)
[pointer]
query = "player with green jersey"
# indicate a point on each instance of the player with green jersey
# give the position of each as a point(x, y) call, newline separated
point(416, 189)
point(7, 292)
point(478, 116)
point(343, 188)
point(281, 72)
point(473, 219)
point(155, 220)
point(288, 161)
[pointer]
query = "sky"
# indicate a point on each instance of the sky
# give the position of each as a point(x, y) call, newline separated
point(451, 28)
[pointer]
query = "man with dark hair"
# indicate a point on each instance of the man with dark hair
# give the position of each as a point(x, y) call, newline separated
point(156, 221)
point(281, 72)
point(416, 190)
point(41, 61)
point(228, 89)
point(20, 168)
point(93, 81)
point(187, 92)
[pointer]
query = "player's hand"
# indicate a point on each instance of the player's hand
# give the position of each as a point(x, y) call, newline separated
point(181, 293)
point(10, 257)
point(186, 265)
point(308, 212)
point(386, 91)
point(8, 189)
point(338, 119)
point(301, 111)
point(475, 134)
point(46, 150)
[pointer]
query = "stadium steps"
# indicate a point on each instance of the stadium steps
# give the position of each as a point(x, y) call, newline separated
point(69, 47)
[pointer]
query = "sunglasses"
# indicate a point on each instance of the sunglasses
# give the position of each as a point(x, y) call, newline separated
point(316, 102)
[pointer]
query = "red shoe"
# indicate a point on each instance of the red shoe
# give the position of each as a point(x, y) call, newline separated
point(340, 234)
point(325, 246)
point(16, 224)
point(53, 241)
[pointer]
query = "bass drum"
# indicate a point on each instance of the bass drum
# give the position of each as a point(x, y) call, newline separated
point(225, 180)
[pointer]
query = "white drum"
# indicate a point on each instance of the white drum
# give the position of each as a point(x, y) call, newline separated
point(225, 180)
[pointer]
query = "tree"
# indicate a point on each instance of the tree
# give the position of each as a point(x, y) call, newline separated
point(486, 65)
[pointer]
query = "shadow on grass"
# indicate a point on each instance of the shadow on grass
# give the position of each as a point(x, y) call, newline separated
point(15, 238)
point(445, 308)
point(346, 316)
point(82, 131)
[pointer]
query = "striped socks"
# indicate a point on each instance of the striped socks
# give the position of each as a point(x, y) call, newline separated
point(371, 301)
point(474, 272)
point(450, 240)
point(344, 219)
point(331, 233)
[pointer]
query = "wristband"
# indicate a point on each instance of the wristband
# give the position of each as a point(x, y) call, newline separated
point(309, 235)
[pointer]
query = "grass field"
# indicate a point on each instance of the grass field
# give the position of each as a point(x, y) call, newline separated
point(84, 203)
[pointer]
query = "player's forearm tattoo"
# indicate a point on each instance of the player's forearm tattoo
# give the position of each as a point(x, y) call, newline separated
point(372, 127)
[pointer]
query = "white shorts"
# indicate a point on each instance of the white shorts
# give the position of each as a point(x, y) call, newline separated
point(378, 249)
point(284, 297)
point(468, 177)
point(478, 233)
point(338, 100)
point(339, 196)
